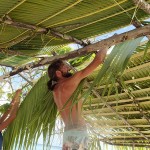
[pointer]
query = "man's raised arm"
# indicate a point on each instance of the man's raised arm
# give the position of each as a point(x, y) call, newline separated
point(99, 58)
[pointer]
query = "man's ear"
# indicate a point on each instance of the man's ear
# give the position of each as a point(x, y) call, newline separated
point(58, 73)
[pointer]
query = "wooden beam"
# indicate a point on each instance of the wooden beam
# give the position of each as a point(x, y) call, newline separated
point(87, 49)
point(137, 24)
point(40, 30)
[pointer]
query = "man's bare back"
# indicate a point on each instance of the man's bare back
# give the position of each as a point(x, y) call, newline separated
point(71, 114)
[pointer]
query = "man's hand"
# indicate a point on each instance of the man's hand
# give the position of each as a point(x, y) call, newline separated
point(16, 99)
point(101, 54)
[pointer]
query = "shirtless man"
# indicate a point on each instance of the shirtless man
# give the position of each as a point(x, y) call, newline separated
point(63, 84)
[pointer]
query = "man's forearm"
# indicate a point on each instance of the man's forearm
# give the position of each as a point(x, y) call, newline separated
point(14, 109)
point(16, 97)
point(9, 111)
point(13, 106)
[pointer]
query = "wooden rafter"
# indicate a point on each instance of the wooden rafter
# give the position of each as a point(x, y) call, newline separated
point(137, 24)
point(39, 30)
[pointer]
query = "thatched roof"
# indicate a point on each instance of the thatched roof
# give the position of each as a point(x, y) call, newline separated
point(123, 118)
point(33, 26)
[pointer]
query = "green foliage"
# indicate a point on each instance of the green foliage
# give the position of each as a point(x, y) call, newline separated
point(4, 107)
point(36, 115)
point(64, 50)
point(79, 61)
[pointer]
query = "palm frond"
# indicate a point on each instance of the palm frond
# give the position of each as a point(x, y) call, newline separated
point(36, 116)
point(116, 62)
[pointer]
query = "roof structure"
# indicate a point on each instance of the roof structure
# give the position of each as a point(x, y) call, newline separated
point(123, 118)
point(30, 28)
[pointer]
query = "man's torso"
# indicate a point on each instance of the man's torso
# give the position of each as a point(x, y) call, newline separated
point(70, 113)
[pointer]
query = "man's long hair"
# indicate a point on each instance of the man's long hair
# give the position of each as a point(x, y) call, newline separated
point(52, 73)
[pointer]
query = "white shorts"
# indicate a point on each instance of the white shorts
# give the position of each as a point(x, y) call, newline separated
point(75, 139)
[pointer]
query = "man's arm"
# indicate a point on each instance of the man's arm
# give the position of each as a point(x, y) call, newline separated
point(10, 118)
point(99, 58)
point(16, 100)
point(12, 111)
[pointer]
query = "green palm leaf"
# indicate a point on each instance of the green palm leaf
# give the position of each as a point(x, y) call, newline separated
point(37, 114)
point(115, 63)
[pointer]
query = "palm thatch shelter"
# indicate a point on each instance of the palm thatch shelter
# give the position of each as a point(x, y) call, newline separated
point(117, 110)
